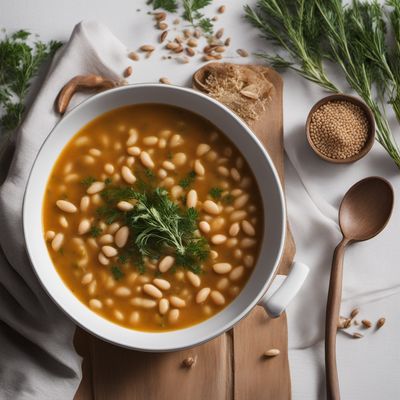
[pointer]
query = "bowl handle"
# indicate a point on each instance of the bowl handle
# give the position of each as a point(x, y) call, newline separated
point(283, 289)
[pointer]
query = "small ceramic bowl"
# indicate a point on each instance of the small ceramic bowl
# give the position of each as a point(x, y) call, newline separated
point(371, 131)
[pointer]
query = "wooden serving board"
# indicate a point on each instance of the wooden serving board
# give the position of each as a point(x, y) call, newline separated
point(228, 367)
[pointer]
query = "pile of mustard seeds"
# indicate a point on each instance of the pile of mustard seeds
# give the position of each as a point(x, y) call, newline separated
point(339, 129)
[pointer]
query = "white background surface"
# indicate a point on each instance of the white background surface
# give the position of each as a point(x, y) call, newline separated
point(369, 368)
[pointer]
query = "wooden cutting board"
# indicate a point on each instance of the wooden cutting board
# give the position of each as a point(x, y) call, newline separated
point(228, 367)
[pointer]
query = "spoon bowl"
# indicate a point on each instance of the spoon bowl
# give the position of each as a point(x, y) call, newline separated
point(366, 208)
point(364, 212)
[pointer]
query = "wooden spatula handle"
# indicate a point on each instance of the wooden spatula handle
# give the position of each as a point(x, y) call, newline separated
point(331, 324)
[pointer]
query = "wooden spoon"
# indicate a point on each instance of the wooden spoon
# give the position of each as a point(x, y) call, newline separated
point(364, 212)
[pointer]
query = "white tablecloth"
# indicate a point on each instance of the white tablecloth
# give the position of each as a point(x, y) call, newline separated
point(368, 368)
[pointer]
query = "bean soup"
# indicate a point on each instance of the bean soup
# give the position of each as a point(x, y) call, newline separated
point(152, 217)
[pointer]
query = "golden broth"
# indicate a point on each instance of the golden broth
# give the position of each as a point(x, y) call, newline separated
point(109, 151)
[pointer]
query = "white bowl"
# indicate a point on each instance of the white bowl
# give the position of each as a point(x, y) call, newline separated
point(272, 201)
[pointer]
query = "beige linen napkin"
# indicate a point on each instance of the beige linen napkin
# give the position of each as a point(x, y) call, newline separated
point(37, 358)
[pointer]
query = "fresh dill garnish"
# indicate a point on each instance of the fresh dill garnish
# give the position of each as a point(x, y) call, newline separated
point(95, 231)
point(109, 214)
point(123, 258)
point(114, 194)
point(167, 5)
point(187, 181)
point(117, 273)
point(160, 227)
point(149, 173)
point(227, 199)
point(215, 193)
point(88, 180)
point(108, 181)
point(20, 61)
point(193, 15)
point(169, 155)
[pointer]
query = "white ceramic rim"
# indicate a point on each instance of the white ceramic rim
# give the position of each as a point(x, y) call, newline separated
point(102, 328)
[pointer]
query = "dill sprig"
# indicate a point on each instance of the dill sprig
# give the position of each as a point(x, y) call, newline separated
point(20, 61)
point(161, 227)
point(196, 18)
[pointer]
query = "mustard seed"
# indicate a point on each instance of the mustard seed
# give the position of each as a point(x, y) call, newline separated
point(339, 129)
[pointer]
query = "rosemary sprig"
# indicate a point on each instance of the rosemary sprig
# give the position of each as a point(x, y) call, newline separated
point(292, 26)
point(310, 32)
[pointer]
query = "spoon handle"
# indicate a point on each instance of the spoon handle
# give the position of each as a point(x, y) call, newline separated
point(332, 318)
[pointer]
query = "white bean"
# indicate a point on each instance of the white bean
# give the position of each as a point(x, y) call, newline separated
point(162, 143)
point(71, 178)
point(217, 223)
point(218, 239)
point(134, 317)
point(234, 229)
point(247, 243)
point(92, 288)
point(248, 260)
point(124, 206)
point(146, 159)
point(95, 152)
point(204, 226)
point(66, 206)
point(166, 263)
point(92, 243)
point(123, 291)
point(175, 140)
point(213, 254)
point(238, 254)
point(130, 161)
point(179, 159)
point(232, 242)
point(49, 235)
point(177, 302)
point(163, 306)
point(87, 278)
point(236, 192)
point(121, 236)
point(152, 291)
point(57, 241)
point(235, 174)
point(106, 239)
point(173, 316)
point(109, 168)
point(211, 208)
point(95, 187)
point(168, 165)
point(223, 171)
point(133, 137)
point(162, 284)
point(222, 268)
point(118, 315)
point(103, 260)
point(109, 251)
point(63, 221)
point(248, 228)
point(193, 278)
point(145, 303)
point(113, 228)
point(88, 159)
point(127, 175)
point(95, 304)
point(133, 151)
point(238, 215)
point(241, 201)
point(217, 297)
point(176, 191)
point(85, 202)
point(199, 168)
point(202, 295)
point(84, 227)
point(150, 140)
point(202, 149)
point(236, 273)
point(168, 182)
point(223, 283)
point(191, 200)
point(162, 173)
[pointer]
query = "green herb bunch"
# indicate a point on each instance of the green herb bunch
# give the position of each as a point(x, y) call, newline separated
point(352, 37)
point(158, 226)
point(20, 61)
